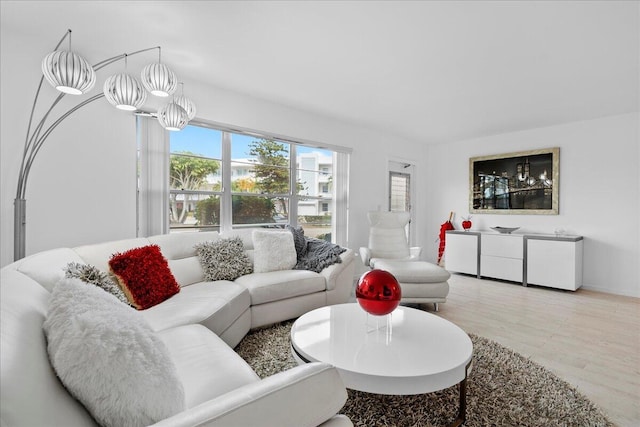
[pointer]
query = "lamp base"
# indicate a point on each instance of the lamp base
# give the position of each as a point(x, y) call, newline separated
point(19, 228)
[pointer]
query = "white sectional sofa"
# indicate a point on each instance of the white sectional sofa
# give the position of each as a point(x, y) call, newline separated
point(200, 325)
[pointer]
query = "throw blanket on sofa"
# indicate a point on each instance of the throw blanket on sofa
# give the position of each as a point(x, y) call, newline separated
point(314, 254)
point(319, 255)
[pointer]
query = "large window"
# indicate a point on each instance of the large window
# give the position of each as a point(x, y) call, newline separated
point(220, 179)
point(195, 187)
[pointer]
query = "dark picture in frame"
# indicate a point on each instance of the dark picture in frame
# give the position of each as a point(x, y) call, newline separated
point(524, 182)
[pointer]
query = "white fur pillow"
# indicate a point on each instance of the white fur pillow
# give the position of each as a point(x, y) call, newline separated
point(273, 251)
point(107, 356)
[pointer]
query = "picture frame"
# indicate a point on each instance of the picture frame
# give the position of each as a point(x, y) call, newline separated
point(520, 183)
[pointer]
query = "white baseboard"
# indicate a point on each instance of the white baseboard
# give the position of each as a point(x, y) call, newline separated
point(635, 293)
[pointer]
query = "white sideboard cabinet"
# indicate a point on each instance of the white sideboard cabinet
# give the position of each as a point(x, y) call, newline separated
point(502, 256)
point(537, 259)
point(554, 261)
point(462, 252)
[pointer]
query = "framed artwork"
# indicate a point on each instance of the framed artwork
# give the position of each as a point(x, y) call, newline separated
point(524, 182)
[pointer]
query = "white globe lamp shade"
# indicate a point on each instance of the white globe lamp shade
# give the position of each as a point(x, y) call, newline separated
point(68, 72)
point(124, 92)
point(173, 117)
point(187, 104)
point(159, 80)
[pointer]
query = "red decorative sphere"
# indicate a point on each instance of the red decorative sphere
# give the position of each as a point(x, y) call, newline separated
point(378, 292)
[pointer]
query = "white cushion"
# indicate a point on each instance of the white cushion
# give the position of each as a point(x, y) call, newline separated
point(417, 291)
point(108, 357)
point(387, 236)
point(181, 245)
point(187, 271)
point(31, 394)
point(214, 304)
point(47, 267)
point(412, 271)
point(281, 285)
point(206, 365)
point(100, 254)
point(273, 251)
point(246, 234)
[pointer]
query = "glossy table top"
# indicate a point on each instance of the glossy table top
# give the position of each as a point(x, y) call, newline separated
point(411, 352)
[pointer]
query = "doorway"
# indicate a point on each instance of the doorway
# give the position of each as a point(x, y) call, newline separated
point(400, 190)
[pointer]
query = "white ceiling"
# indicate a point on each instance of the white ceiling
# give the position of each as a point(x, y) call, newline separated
point(427, 70)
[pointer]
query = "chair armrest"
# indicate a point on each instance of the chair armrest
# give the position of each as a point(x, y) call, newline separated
point(414, 252)
point(307, 395)
point(365, 254)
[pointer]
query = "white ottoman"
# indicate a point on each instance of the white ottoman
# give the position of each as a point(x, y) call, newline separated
point(421, 281)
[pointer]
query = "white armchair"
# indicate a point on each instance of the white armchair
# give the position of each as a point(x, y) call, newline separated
point(388, 238)
point(420, 281)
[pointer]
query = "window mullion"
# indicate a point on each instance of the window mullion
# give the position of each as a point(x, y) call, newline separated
point(293, 186)
point(226, 205)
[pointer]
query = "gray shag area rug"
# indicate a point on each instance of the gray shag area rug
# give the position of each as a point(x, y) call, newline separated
point(504, 388)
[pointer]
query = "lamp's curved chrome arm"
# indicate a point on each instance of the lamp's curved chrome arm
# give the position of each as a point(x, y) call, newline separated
point(35, 139)
point(27, 142)
point(29, 148)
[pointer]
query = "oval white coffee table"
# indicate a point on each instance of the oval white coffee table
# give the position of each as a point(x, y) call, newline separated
point(416, 353)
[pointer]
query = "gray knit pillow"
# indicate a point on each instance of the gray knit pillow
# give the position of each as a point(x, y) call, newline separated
point(299, 240)
point(91, 275)
point(223, 259)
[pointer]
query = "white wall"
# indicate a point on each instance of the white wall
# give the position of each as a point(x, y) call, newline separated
point(599, 193)
point(372, 150)
point(82, 188)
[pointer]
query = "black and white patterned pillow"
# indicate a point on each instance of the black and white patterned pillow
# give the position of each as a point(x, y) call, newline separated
point(223, 259)
point(91, 275)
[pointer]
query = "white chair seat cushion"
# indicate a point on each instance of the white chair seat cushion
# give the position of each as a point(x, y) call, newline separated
point(214, 304)
point(280, 285)
point(411, 291)
point(413, 271)
point(206, 365)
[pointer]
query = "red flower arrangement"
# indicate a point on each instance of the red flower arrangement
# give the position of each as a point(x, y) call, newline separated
point(144, 276)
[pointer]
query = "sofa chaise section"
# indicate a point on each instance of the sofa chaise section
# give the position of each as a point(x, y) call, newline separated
point(200, 325)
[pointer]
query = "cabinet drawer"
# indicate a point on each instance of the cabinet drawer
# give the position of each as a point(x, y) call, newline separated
point(501, 268)
point(502, 245)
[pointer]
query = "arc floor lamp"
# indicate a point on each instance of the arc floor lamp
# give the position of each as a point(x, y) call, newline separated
point(71, 74)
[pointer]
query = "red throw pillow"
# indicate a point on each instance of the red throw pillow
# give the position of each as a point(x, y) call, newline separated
point(144, 276)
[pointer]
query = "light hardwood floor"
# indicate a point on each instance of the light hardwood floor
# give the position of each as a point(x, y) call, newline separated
point(590, 339)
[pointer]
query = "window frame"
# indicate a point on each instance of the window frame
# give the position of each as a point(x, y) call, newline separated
point(339, 230)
